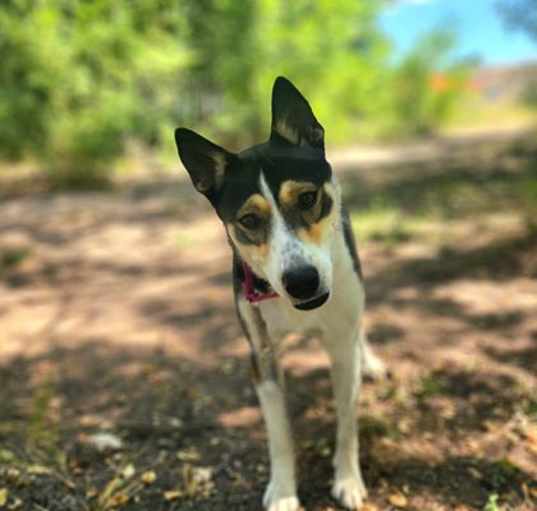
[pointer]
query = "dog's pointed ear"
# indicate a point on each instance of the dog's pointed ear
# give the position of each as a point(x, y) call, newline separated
point(205, 162)
point(292, 117)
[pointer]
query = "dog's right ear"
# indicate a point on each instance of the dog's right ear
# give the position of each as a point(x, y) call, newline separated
point(205, 162)
point(293, 119)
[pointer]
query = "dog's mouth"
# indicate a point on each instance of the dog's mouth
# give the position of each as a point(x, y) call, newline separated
point(313, 304)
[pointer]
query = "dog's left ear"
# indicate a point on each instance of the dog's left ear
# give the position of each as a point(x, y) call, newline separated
point(205, 162)
point(292, 117)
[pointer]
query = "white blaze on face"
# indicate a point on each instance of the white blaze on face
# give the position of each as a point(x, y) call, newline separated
point(287, 251)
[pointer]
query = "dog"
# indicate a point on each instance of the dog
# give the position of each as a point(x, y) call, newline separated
point(295, 269)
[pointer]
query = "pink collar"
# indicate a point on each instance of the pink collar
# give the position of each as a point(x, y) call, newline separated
point(251, 294)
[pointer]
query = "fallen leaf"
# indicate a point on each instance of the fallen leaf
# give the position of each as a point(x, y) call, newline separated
point(369, 507)
point(149, 477)
point(117, 500)
point(172, 494)
point(105, 441)
point(190, 454)
point(398, 500)
point(38, 470)
point(3, 496)
point(91, 493)
point(128, 471)
point(475, 473)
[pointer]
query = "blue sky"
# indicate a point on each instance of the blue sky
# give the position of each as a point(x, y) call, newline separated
point(479, 28)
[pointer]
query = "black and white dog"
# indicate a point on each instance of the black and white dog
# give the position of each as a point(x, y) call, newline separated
point(295, 268)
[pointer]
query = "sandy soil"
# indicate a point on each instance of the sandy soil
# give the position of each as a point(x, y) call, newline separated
point(116, 317)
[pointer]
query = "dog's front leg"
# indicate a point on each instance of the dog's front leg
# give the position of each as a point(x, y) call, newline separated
point(280, 494)
point(345, 357)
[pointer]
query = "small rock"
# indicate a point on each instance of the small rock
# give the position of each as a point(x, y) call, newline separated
point(398, 500)
point(105, 441)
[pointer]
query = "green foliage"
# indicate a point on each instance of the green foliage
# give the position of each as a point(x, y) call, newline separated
point(10, 258)
point(520, 15)
point(426, 87)
point(492, 503)
point(343, 74)
point(79, 78)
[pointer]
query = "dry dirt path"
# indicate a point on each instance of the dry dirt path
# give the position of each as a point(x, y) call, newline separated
point(116, 316)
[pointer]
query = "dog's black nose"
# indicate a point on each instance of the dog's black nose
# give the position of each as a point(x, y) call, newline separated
point(302, 282)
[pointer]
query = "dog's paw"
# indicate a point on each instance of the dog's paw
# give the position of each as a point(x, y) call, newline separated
point(350, 491)
point(277, 498)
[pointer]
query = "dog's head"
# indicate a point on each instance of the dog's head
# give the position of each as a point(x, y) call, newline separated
point(278, 200)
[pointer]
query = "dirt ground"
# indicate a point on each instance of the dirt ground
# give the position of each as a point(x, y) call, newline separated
point(124, 378)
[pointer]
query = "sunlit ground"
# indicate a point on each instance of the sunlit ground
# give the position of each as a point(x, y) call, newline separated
point(117, 317)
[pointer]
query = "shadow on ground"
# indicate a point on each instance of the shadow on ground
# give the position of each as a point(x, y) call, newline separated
point(112, 322)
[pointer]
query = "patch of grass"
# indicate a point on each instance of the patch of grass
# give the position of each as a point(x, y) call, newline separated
point(476, 113)
point(420, 196)
point(43, 434)
point(527, 191)
point(80, 179)
point(492, 503)
point(531, 409)
point(386, 223)
point(502, 474)
point(13, 257)
point(371, 427)
point(430, 386)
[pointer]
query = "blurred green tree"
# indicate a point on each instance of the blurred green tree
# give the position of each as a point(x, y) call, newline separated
point(79, 78)
point(520, 15)
point(427, 84)
point(332, 50)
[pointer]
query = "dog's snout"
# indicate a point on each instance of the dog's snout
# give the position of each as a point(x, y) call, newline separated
point(302, 282)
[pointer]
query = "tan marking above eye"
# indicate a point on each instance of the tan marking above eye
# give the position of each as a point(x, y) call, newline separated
point(290, 190)
point(256, 204)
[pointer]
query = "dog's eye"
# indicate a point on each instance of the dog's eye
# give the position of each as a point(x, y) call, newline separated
point(250, 221)
point(307, 200)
